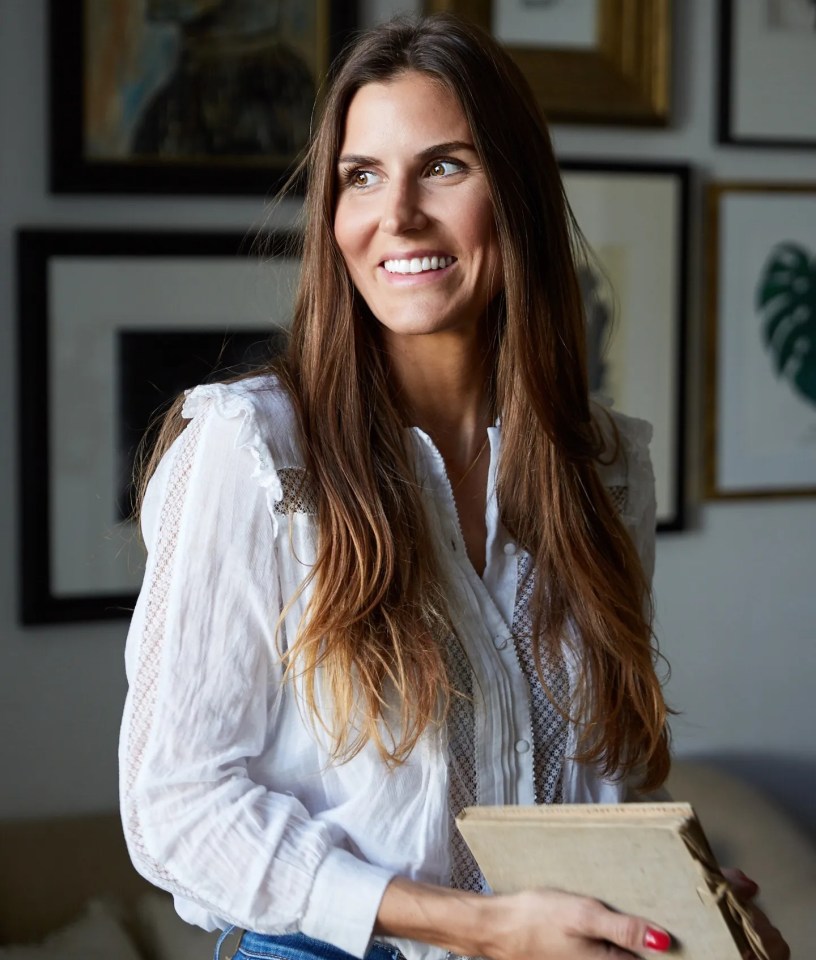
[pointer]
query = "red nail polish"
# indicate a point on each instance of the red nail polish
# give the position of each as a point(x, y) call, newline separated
point(752, 884)
point(656, 939)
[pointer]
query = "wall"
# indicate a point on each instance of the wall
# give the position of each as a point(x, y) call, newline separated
point(735, 602)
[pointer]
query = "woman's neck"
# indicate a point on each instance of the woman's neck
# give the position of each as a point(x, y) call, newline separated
point(442, 383)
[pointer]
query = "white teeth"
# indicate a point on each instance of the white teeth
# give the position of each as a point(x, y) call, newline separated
point(417, 264)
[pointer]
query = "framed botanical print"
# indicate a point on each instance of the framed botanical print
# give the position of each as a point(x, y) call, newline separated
point(761, 343)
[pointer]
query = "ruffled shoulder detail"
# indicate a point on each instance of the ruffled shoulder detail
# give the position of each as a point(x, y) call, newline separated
point(624, 436)
point(626, 461)
point(268, 429)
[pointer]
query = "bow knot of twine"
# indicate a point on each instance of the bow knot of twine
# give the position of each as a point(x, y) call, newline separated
point(724, 894)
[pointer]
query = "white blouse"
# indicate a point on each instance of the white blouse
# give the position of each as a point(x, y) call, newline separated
point(229, 799)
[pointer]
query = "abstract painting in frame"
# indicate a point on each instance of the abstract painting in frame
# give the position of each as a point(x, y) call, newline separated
point(767, 73)
point(761, 342)
point(186, 96)
point(588, 61)
point(635, 219)
point(111, 327)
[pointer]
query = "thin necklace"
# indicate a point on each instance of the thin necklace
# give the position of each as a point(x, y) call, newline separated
point(472, 465)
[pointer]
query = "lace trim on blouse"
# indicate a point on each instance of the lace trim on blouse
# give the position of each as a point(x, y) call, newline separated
point(298, 492)
point(463, 784)
point(147, 673)
point(549, 725)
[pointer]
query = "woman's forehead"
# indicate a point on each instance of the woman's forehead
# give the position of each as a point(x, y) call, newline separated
point(411, 109)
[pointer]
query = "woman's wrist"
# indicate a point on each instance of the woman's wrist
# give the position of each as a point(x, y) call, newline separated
point(456, 920)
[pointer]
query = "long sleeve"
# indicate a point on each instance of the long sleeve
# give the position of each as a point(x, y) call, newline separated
point(204, 686)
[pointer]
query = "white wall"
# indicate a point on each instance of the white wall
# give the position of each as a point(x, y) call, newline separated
point(736, 605)
point(735, 596)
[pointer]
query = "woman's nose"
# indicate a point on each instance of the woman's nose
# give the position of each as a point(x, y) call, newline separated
point(403, 208)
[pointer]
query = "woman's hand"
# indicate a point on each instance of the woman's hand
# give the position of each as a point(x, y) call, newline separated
point(746, 889)
point(545, 924)
point(554, 924)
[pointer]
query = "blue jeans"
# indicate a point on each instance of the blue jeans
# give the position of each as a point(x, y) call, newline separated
point(297, 946)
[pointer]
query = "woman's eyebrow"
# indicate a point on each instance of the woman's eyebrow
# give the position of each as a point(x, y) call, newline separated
point(428, 153)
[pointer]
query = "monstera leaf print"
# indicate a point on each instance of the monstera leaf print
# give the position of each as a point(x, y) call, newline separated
point(786, 298)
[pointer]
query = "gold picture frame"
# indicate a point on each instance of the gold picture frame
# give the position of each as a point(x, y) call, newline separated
point(624, 79)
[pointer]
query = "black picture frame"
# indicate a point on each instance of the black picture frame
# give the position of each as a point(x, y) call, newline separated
point(641, 211)
point(73, 171)
point(53, 392)
point(757, 69)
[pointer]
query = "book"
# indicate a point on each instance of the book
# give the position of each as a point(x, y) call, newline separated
point(648, 859)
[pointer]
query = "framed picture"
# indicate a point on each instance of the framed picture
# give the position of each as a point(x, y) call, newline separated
point(112, 326)
point(588, 61)
point(767, 73)
point(635, 219)
point(761, 343)
point(185, 96)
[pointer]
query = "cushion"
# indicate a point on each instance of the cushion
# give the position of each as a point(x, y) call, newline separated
point(165, 936)
point(96, 935)
point(747, 830)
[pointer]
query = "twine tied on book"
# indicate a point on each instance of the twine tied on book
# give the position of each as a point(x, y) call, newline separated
point(724, 894)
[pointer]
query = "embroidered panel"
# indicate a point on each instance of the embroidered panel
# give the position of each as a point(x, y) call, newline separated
point(463, 784)
point(549, 726)
point(619, 495)
point(299, 492)
point(144, 691)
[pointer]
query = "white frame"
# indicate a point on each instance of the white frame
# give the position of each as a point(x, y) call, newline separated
point(761, 436)
point(766, 80)
point(634, 217)
point(77, 289)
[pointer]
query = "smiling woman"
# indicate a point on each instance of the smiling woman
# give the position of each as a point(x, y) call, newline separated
point(404, 570)
point(412, 190)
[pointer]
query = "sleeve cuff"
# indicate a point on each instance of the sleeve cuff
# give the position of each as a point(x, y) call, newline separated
point(344, 902)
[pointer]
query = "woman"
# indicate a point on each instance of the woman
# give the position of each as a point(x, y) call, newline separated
point(405, 571)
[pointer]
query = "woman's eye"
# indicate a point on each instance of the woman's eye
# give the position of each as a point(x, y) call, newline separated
point(360, 178)
point(444, 168)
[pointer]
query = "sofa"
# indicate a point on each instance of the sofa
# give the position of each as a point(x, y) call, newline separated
point(68, 890)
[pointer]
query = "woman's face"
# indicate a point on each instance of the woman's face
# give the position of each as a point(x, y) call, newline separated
point(414, 220)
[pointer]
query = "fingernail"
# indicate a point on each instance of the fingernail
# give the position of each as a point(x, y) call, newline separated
point(751, 883)
point(656, 939)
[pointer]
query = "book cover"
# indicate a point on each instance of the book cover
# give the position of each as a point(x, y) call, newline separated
point(649, 859)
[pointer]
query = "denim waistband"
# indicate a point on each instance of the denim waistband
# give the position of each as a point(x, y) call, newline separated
point(297, 946)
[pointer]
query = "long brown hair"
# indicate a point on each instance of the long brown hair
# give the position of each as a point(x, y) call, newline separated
point(375, 624)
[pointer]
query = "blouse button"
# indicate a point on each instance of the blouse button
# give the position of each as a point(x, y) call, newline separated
point(500, 642)
point(522, 746)
point(510, 549)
